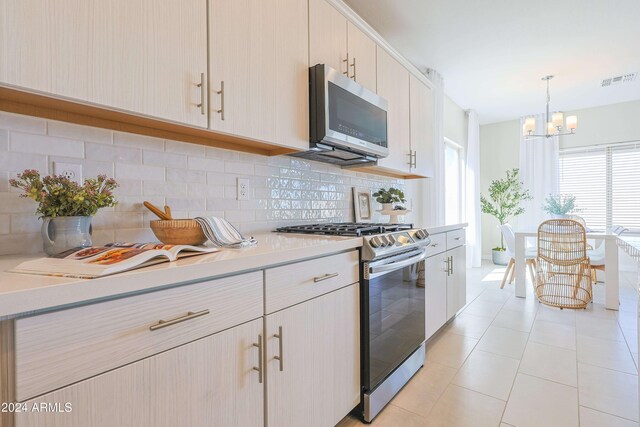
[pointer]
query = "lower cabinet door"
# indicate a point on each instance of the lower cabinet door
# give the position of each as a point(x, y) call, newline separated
point(435, 293)
point(313, 360)
point(208, 382)
point(457, 281)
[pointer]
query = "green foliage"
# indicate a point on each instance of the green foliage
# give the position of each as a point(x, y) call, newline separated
point(505, 196)
point(392, 195)
point(560, 204)
point(60, 196)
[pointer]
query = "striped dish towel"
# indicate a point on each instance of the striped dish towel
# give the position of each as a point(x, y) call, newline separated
point(222, 234)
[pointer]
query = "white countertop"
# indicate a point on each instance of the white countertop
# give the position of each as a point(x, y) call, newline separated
point(437, 229)
point(22, 293)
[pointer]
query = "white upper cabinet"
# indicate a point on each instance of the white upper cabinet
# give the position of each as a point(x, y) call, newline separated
point(421, 118)
point(393, 85)
point(259, 70)
point(362, 57)
point(145, 57)
point(341, 45)
point(327, 36)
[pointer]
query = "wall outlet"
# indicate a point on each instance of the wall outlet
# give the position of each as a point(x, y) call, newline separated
point(243, 189)
point(73, 171)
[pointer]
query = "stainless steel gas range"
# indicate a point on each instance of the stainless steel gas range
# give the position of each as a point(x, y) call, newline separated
point(392, 306)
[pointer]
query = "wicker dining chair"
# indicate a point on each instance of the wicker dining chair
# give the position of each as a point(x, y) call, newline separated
point(563, 276)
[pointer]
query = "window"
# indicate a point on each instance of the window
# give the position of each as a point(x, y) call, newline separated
point(453, 181)
point(606, 183)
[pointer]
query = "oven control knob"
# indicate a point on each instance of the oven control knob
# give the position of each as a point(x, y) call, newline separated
point(385, 241)
point(375, 242)
point(419, 234)
point(392, 240)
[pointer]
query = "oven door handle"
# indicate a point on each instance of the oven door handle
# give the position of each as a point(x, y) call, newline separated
point(396, 265)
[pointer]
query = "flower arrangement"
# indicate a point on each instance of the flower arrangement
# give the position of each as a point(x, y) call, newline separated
point(392, 195)
point(560, 204)
point(58, 196)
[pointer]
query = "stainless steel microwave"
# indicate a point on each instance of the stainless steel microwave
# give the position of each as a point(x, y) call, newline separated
point(348, 123)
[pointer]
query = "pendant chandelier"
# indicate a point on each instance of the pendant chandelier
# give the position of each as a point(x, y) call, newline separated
point(554, 124)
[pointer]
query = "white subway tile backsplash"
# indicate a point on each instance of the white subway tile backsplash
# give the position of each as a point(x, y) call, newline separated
point(186, 176)
point(5, 224)
point(127, 171)
point(17, 122)
point(112, 153)
point(159, 158)
point(182, 148)
point(21, 224)
point(204, 164)
point(82, 133)
point(138, 141)
point(37, 144)
point(194, 180)
point(4, 140)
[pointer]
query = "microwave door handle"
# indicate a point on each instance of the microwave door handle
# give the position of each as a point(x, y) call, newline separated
point(396, 265)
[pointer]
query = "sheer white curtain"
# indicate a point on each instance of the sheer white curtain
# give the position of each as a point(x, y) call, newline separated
point(474, 242)
point(539, 167)
point(435, 186)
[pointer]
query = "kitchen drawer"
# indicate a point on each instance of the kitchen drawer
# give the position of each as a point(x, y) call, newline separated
point(455, 238)
point(59, 348)
point(294, 283)
point(438, 244)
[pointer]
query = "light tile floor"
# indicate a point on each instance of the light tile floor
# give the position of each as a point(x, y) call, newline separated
point(507, 361)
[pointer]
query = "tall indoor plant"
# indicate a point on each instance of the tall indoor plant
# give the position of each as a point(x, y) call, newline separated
point(505, 196)
point(65, 206)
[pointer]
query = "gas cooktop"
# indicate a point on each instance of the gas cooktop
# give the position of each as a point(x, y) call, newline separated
point(345, 228)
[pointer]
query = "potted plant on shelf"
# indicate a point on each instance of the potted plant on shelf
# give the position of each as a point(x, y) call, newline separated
point(65, 206)
point(389, 198)
point(559, 205)
point(505, 196)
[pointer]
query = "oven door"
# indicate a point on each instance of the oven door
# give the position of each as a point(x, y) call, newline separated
point(393, 314)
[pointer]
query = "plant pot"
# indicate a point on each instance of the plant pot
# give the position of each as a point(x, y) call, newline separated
point(387, 206)
point(66, 232)
point(499, 257)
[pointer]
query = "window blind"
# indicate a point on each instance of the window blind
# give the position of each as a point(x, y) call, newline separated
point(606, 183)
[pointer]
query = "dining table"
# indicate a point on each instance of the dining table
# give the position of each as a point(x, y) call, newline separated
point(611, 272)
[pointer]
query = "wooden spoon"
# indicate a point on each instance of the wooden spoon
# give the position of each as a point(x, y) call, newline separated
point(167, 212)
point(156, 211)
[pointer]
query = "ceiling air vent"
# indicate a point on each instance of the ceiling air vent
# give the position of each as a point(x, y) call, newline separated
point(616, 80)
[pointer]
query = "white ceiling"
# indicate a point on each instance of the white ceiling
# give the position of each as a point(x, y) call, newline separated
point(492, 53)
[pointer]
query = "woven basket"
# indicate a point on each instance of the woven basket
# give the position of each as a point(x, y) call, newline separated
point(178, 232)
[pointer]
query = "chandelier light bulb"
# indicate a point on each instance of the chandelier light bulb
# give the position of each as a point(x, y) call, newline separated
point(572, 123)
point(558, 119)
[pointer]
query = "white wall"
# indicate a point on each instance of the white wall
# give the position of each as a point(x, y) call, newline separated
point(455, 122)
point(500, 147)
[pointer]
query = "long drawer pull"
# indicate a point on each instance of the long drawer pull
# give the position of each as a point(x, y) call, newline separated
point(190, 315)
point(279, 356)
point(259, 367)
point(325, 277)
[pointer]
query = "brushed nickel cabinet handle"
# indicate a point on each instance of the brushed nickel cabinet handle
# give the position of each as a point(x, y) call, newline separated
point(451, 265)
point(354, 69)
point(325, 277)
point(259, 367)
point(202, 94)
point(410, 158)
point(279, 356)
point(446, 262)
point(221, 93)
point(346, 61)
point(190, 315)
point(435, 245)
point(457, 238)
point(415, 159)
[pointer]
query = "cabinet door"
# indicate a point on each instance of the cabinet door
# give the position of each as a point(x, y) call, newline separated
point(457, 281)
point(362, 57)
point(209, 382)
point(435, 293)
point(156, 54)
point(259, 78)
point(421, 118)
point(316, 381)
point(327, 36)
point(393, 85)
point(45, 46)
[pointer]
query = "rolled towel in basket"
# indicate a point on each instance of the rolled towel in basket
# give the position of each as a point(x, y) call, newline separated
point(222, 234)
